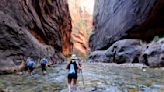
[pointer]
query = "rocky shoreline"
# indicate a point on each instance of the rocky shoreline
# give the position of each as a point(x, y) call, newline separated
point(131, 51)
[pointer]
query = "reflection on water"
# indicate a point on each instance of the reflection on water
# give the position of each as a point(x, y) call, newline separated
point(97, 78)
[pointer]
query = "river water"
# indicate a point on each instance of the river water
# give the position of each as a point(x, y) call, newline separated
point(94, 78)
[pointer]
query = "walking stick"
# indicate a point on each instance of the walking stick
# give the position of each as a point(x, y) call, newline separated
point(82, 76)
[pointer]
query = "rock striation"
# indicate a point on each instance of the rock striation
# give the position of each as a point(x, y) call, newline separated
point(118, 19)
point(33, 28)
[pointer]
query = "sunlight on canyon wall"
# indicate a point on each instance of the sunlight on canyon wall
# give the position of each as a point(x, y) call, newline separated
point(81, 13)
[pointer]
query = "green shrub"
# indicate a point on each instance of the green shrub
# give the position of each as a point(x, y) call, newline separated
point(49, 1)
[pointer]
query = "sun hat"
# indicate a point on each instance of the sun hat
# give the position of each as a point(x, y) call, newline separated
point(73, 56)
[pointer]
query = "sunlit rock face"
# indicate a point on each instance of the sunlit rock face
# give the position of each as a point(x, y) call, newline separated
point(34, 28)
point(81, 14)
point(118, 19)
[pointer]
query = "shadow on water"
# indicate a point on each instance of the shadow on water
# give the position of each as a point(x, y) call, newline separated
point(97, 78)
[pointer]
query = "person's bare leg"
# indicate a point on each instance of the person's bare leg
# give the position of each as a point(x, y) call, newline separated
point(74, 83)
point(69, 85)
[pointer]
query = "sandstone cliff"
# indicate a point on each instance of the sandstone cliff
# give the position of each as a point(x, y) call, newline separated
point(33, 28)
point(118, 19)
point(81, 14)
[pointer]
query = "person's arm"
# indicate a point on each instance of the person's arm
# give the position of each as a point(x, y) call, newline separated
point(78, 65)
point(67, 66)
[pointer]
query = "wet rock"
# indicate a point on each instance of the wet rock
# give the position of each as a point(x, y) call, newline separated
point(131, 51)
point(155, 54)
point(34, 28)
point(117, 19)
point(5, 90)
point(98, 56)
point(123, 51)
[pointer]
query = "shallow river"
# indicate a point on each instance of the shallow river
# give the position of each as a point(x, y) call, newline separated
point(96, 78)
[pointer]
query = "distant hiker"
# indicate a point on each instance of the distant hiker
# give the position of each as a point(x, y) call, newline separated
point(79, 62)
point(30, 65)
point(145, 59)
point(72, 66)
point(43, 63)
point(25, 64)
point(22, 62)
point(136, 59)
point(114, 53)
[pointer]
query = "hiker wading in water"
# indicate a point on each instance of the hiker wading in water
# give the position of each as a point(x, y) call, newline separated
point(30, 65)
point(72, 66)
point(43, 63)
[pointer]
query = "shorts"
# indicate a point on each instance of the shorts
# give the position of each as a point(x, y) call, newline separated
point(25, 68)
point(30, 68)
point(43, 67)
point(72, 76)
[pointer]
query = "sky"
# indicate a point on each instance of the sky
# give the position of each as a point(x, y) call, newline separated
point(88, 4)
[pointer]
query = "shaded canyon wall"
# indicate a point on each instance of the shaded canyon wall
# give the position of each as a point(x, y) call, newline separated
point(33, 28)
point(128, 32)
point(118, 19)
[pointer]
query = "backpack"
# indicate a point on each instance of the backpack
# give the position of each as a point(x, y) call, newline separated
point(79, 62)
point(43, 61)
point(30, 63)
point(72, 69)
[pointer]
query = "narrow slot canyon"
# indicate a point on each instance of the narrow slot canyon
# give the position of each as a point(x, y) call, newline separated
point(81, 14)
point(109, 45)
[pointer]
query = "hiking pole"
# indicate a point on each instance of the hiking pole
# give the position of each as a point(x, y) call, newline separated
point(82, 76)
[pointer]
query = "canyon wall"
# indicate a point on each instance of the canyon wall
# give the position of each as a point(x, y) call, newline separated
point(128, 31)
point(81, 14)
point(118, 19)
point(33, 28)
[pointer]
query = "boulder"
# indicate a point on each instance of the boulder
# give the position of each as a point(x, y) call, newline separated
point(131, 51)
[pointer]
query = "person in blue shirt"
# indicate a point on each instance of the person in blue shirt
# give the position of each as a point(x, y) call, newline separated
point(72, 67)
point(43, 63)
point(30, 64)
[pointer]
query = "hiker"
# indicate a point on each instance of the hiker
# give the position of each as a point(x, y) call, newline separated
point(25, 64)
point(114, 54)
point(30, 65)
point(72, 66)
point(136, 59)
point(22, 62)
point(43, 63)
point(79, 62)
point(145, 59)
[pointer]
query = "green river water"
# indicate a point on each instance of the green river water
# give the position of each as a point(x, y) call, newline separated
point(97, 78)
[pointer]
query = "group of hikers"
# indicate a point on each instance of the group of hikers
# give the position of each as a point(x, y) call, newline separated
point(29, 65)
point(73, 66)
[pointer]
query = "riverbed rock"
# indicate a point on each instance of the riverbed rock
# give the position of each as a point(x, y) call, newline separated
point(123, 51)
point(155, 52)
point(98, 56)
point(34, 28)
point(119, 19)
point(131, 51)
